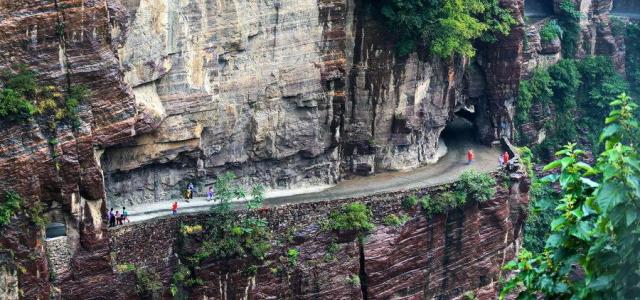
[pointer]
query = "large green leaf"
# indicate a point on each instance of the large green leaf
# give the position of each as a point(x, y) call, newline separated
point(610, 195)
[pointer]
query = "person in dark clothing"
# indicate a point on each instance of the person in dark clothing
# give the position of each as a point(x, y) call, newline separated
point(112, 218)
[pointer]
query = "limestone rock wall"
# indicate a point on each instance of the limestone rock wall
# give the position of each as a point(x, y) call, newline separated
point(285, 94)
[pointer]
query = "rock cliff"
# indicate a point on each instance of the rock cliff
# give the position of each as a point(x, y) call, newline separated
point(284, 93)
point(287, 94)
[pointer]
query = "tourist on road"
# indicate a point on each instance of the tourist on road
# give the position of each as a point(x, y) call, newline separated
point(505, 158)
point(469, 156)
point(174, 208)
point(125, 215)
point(210, 194)
point(112, 218)
point(118, 218)
point(501, 160)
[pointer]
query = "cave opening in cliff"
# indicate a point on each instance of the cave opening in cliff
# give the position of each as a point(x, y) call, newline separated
point(461, 130)
point(538, 8)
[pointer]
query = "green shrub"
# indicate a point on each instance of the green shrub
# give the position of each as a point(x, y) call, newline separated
point(473, 185)
point(13, 106)
point(125, 268)
point(331, 251)
point(352, 217)
point(447, 27)
point(292, 256)
point(550, 31)
point(353, 280)
point(9, 207)
point(409, 202)
point(569, 18)
point(148, 283)
point(394, 220)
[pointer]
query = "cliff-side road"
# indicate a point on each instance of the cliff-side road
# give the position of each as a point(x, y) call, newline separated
point(458, 139)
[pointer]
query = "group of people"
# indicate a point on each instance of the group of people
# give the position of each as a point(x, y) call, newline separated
point(118, 218)
point(503, 159)
point(188, 194)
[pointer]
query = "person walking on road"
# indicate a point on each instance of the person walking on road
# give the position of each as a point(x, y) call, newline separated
point(505, 158)
point(470, 157)
point(112, 218)
point(210, 194)
point(174, 208)
point(125, 215)
point(501, 160)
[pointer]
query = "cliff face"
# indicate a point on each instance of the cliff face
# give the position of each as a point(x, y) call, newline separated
point(441, 257)
point(289, 93)
point(284, 93)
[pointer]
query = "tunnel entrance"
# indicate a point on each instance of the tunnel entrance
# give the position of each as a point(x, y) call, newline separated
point(626, 8)
point(538, 8)
point(460, 132)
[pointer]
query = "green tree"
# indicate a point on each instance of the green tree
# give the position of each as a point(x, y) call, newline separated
point(447, 27)
point(9, 207)
point(592, 250)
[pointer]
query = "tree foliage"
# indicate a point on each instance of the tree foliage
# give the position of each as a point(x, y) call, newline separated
point(226, 235)
point(9, 207)
point(476, 186)
point(447, 27)
point(591, 252)
point(353, 217)
point(550, 31)
point(573, 95)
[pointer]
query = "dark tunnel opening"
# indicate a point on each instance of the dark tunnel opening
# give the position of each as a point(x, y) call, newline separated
point(538, 8)
point(461, 130)
point(626, 8)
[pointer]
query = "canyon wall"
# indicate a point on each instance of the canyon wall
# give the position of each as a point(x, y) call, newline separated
point(441, 257)
point(289, 94)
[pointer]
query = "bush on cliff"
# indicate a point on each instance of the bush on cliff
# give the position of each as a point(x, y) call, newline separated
point(550, 31)
point(476, 186)
point(446, 27)
point(21, 98)
point(591, 252)
point(353, 217)
point(9, 207)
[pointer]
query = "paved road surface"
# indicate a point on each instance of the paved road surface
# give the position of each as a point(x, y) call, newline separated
point(448, 168)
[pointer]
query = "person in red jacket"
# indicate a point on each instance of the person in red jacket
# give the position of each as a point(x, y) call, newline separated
point(470, 157)
point(174, 208)
point(505, 158)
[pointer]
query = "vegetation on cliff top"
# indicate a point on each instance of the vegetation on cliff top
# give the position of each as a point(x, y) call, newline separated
point(591, 252)
point(446, 27)
point(353, 217)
